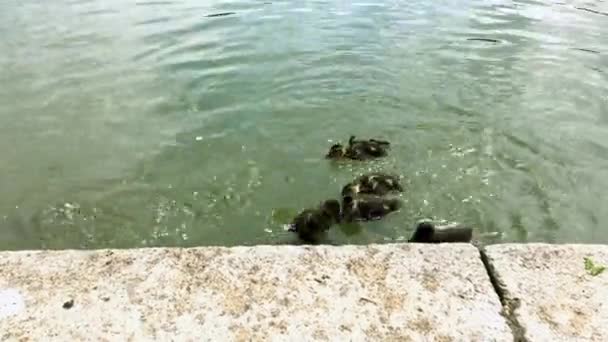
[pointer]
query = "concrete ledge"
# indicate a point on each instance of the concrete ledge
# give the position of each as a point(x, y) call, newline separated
point(549, 293)
point(280, 293)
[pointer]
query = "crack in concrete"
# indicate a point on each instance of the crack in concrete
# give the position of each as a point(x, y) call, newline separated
point(509, 305)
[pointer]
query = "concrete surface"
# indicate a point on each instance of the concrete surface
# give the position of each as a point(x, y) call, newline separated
point(402, 292)
point(550, 294)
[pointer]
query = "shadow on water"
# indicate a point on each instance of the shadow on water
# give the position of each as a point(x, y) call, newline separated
point(223, 14)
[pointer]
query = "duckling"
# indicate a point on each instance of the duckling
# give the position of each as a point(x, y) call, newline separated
point(367, 208)
point(352, 141)
point(429, 232)
point(312, 224)
point(366, 149)
point(373, 183)
point(359, 149)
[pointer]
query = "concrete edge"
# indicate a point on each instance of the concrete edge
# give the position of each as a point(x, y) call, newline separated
point(509, 303)
point(442, 286)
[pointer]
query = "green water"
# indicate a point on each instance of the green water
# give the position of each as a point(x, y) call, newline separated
point(130, 124)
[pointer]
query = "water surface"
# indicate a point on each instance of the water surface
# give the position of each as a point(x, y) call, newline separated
point(162, 123)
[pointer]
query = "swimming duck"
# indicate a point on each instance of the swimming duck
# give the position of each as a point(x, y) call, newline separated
point(359, 149)
point(367, 207)
point(312, 224)
point(373, 183)
point(429, 232)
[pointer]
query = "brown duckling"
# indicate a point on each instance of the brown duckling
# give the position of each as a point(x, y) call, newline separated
point(312, 224)
point(353, 142)
point(368, 207)
point(359, 149)
point(373, 183)
point(429, 232)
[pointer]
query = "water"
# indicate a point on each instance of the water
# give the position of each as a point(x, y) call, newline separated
point(129, 124)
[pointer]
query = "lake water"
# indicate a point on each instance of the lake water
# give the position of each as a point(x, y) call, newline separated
point(151, 123)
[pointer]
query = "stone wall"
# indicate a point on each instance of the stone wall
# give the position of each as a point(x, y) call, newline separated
point(392, 292)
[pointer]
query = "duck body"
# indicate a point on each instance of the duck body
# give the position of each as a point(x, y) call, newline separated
point(366, 149)
point(311, 225)
point(367, 207)
point(429, 232)
point(374, 183)
point(359, 149)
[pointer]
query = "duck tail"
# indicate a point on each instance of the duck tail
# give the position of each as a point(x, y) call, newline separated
point(394, 204)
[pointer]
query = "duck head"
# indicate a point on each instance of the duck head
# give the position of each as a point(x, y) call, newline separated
point(351, 140)
point(331, 208)
point(349, 206)
point(335, 152)
point(350, 189)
